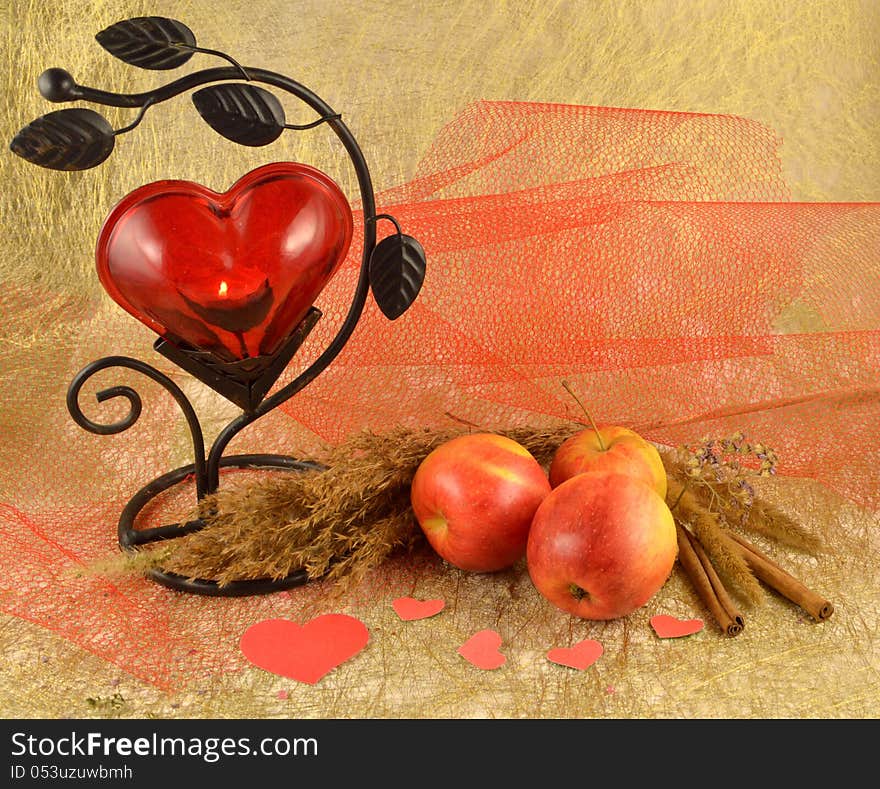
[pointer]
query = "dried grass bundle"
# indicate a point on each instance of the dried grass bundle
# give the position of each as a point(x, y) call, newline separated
point(769, 520)
point(706, 527)
point(336, 524)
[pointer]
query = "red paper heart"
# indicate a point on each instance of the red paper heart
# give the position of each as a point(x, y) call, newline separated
point(582, 655)
point(481, 649)
point(669, 627)
point(408, 608)
point(230, 273)
point(304, 652)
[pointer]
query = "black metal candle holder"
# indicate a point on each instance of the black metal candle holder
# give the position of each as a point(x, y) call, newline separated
point(393, 269)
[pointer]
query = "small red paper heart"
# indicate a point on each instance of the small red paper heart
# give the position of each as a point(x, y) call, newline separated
point(481, 649)
point(669, 627)
point(304, 652)
point(582, 655)
point(230, 273)
point(408, 608)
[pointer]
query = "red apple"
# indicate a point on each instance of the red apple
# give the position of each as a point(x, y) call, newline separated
point(601, 545)
point(474, 497)
point(613, 449)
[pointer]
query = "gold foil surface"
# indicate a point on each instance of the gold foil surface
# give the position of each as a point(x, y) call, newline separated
point(399, 71)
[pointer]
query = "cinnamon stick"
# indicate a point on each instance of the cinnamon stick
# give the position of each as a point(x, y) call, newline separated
point(709, 587)
point(720, 590)
point(783, 582)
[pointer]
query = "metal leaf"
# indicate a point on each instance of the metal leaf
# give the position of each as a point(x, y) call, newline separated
point(244, 114)
point(148, 42)
point(71, 139)
point(397, 270)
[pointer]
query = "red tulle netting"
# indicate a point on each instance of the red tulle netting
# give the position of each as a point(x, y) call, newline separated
point(652, 259)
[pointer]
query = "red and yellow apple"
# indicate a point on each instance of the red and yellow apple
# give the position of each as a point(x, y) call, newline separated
point(474, 497)
point(609, 448)
point(601, 545)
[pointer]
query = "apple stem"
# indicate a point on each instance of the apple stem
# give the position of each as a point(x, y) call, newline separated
point(460, 420)
point(568, 389)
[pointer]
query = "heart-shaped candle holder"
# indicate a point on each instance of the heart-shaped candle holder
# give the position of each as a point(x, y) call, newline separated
point(228, 280)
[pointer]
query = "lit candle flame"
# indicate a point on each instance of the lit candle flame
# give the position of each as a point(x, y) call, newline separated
point(223, 288)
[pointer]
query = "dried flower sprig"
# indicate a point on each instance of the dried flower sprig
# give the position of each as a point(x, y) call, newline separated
point(717, 465)
point(721, 473)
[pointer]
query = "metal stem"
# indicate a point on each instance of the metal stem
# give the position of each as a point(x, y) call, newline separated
point(135, 406)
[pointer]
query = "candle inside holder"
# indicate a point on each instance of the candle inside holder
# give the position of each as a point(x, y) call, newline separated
point(238, 302)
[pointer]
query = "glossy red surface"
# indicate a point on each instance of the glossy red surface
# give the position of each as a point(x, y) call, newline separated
point(230, 273)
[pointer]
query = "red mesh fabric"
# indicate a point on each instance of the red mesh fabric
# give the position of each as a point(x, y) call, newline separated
point(652, 259)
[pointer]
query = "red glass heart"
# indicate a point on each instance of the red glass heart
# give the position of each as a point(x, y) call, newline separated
point(229, 273)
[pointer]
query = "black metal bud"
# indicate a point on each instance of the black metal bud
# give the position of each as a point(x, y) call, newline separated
point(56, 84)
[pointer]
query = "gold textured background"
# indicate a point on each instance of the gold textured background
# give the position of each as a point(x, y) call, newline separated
point(399, 71)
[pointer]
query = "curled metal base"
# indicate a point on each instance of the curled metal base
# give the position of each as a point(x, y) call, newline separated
point(130, 538)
